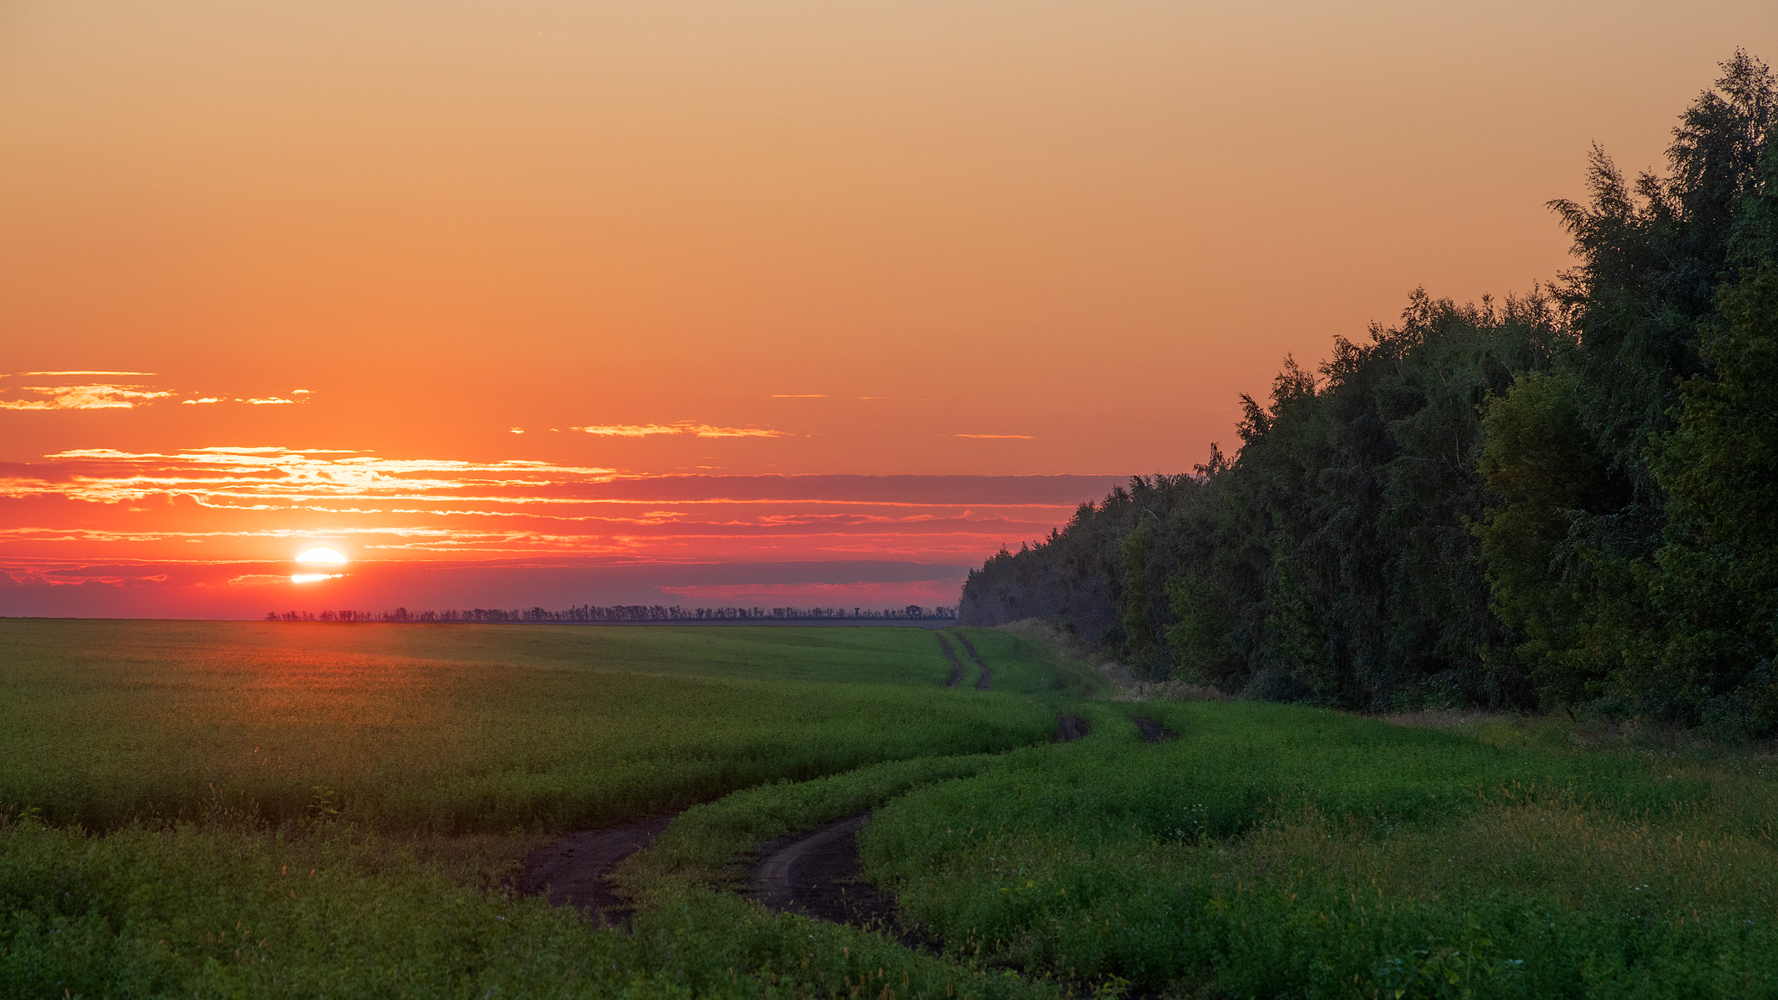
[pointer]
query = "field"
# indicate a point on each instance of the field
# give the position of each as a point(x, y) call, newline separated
point(293, 809)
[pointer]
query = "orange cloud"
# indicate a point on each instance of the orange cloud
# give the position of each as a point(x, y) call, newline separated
point(680, 427)
point(96, 396)
point(250, 509)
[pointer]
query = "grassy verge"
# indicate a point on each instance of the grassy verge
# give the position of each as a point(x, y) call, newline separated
point(1025, 664)
point(1277, 851)
point(692, 873)
point(225, 912)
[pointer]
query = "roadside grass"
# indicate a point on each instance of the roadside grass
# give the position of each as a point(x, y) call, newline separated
point(1024, 664)
point(1276, 851)
point(232, 911)
point(701, 862)
point(227, 908)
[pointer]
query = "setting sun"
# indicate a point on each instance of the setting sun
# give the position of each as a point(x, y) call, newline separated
point(321, 556)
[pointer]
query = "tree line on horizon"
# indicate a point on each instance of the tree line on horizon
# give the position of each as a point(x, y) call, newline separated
point(622, 613)
point(1567, 498)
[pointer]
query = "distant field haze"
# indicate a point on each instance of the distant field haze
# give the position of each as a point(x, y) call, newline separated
point(213, 533)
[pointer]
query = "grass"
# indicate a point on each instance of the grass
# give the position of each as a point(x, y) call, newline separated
point(1276, 851)
point(278, 722)
point(902, 656)
point(1026, 665)
point(337, 912)
point(294, 810)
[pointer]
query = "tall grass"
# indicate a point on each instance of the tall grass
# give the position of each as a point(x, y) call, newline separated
point(1282, 852)
point(222, 911)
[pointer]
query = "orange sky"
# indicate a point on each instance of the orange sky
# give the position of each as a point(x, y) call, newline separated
point(728, 244)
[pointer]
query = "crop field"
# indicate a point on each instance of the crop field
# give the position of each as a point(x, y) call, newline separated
point(309, 810)
point(111, 721)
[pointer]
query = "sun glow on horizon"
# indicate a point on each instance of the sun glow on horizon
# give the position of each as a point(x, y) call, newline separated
point(321, 555)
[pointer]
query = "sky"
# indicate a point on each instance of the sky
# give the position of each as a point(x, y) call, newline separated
point(550, 303)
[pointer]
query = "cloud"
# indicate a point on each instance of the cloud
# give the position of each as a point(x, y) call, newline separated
point(799, 395)
point(115, 395)
point(996, 437)
point(516, 430)
point(95, 396)
point(282, 477)
point(707, 431)
point(628, 430)
point(112, 517)
point(681, 427)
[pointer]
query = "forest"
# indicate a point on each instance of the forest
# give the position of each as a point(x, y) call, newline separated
point(1556, 501)
point(586, 613)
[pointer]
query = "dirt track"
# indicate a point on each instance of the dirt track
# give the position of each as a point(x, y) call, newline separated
point(817, 875)
point(1152, 731)
point(576, 869)
point(951, 654)
point(1069, 728)
point(987, 675)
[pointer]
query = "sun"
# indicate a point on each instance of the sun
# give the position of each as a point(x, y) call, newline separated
point(321, 555)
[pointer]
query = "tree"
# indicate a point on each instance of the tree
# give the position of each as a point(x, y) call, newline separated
point(1718, 568)
point(1571, 542)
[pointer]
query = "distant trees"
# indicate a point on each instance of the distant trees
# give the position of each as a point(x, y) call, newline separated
point(1555, 497)
point(626, 613)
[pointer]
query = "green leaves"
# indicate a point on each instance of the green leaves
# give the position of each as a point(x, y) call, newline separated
point(1717, 573)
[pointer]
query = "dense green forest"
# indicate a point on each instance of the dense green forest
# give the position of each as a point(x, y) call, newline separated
point(1568, 498)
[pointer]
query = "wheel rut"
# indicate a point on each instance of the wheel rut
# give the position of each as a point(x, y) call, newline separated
point(951, 654)
point(575, 870)
point(1152, 731)
point(987, 675)
point(1069, 728)
point(819, 875)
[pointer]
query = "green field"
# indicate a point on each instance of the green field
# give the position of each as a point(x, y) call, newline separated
point(303, 809)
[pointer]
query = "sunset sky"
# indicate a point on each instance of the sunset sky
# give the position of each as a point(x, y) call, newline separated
point(707, 303)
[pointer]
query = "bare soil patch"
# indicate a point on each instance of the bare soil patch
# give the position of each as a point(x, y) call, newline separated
point(1069, 728)
point(576, 870)
point(819, 875)
point(1152, 731)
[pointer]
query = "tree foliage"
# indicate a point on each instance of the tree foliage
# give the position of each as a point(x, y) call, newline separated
point(1553, 497)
